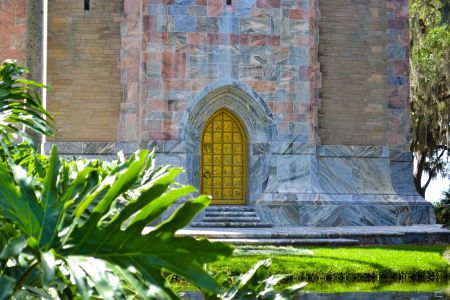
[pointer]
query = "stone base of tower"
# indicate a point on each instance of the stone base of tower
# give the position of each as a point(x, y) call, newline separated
point(356, 210)
point(349, 186)
point(302, 184)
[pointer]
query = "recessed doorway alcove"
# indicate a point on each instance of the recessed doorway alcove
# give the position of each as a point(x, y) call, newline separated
point(249, 112)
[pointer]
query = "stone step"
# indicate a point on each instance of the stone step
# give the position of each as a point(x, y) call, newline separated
point(365, 235)
point(231, 224)
point(229, 208)
point(304, 242)
point(230, 214)
point(230, 219)
point(237, 216)
point(268, 235)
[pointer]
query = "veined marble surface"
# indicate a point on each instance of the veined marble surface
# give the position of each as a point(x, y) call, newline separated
point(296, 184)
point(328, 215)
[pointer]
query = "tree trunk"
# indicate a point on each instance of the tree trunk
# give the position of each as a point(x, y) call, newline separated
point(418, 172)
point(445, 12)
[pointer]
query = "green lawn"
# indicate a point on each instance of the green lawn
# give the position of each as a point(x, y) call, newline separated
point(376, 286)
point(344, 264)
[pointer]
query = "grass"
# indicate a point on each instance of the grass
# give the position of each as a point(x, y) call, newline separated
point(313, 264)
point(371, 286)
point(347, 269)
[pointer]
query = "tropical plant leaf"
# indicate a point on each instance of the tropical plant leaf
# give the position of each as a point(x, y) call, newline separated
point(14, 247)
point(136, 287)
point(50, 202)
point(79, 277)
point(48, 267)
point(291, 291)
point(93, 215)
point(157, 250)
point(18, 201)
point(7, 231)
point(20, 106)
point(106, 283)
point(256, 285)
point(6, 286)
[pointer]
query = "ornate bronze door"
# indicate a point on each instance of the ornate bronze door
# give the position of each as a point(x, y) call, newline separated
point(223, 162)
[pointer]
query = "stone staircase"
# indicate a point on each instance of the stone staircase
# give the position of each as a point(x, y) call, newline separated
point(231, 216)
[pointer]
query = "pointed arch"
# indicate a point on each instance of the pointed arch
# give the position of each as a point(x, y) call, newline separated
point(246, 105)
point(238, 98)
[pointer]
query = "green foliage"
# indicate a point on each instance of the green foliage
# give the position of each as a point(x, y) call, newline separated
point(82, 225)
point(377, 286)
point(430, 87)
point(255, 284)
point(442, 210)
point(20, 108)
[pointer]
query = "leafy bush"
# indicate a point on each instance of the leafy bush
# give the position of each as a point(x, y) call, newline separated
point(79, 230)
point(20, 107)
point(442, 210)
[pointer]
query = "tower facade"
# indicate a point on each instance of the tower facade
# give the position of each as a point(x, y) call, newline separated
point(298, 108)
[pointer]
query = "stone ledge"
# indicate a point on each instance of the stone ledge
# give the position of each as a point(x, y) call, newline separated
point(283, 148)
point(350, 198)
point(365, 235)
point(104, 148)
point(304, 242)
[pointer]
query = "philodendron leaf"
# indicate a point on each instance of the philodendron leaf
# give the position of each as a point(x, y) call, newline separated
point(151, 253)
point(106, 283)
point(100, 215)
point(52, 208)
point(48, 267)
point(291, 291)
point(79, 277)
point(6, 286)
point(255, 285)
point(135, 287)
point(37, 218)
point(116, 184)
point(14, 247)
point(18, 201)
point(120, 240)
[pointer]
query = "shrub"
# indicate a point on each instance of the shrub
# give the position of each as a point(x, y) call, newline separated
point(79, 230)
point(442, 210)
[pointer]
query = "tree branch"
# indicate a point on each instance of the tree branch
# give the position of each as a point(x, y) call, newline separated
point(442, 147)
point(425, 186)
point(25, 275)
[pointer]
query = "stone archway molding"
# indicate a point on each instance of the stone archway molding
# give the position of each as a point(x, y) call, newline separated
point(237, 97)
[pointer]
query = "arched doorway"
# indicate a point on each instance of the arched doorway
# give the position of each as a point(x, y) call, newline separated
point(223, 159)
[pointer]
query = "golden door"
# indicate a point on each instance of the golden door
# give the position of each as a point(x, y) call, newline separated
point(223, 162)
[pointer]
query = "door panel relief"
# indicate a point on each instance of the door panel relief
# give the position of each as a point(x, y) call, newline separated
point(223, 163)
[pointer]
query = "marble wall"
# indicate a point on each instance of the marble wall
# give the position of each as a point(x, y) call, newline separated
point(180, 48)
point(304, 184)
point(182, 60)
